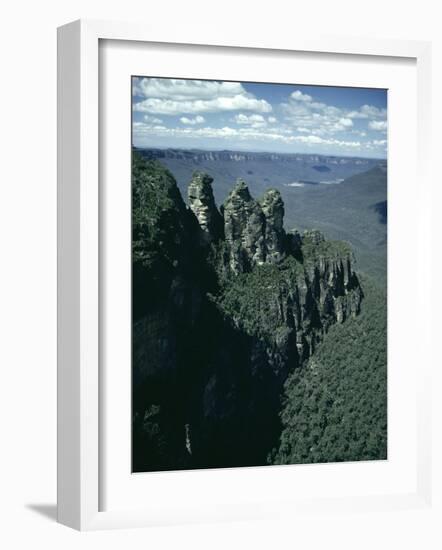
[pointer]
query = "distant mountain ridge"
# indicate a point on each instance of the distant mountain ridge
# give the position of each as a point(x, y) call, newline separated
point(199, 155)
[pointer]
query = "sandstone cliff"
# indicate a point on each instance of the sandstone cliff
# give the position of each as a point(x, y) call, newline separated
point(226, 305)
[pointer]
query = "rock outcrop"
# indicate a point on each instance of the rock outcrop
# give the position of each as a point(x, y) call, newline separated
point(244, 229)
point(226, 306)
point(254, 230)
point(202, 204)
point(274, 234)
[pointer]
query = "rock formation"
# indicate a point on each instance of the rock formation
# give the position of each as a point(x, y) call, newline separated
point(274, 234)
point(253, 229)
point(226, 306)
point(244, 229)
point(202, 204)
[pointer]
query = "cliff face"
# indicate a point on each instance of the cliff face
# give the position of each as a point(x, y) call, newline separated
point(198, 156)
point(253, 230)
point(226, 304)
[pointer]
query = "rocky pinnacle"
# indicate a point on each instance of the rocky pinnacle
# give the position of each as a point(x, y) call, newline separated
point(244, 224)
point(202, 204)
point(273, 208)
point(253, 229)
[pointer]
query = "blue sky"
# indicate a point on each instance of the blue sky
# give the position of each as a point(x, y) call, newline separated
point(287, 118)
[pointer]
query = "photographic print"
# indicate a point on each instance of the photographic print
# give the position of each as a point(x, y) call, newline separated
point(259, 269)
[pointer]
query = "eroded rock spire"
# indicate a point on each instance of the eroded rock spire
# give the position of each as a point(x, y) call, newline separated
point(253, 229)
point(273, 208)
point(202, 204)
point(244, 229)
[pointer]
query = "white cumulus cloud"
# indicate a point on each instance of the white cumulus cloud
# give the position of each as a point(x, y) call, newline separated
point(346, 122)
point(181, 89)
point(174, 96)
point(315, 117)
point(172, 107)
point(192, 121)
point(255, 121)
point(300, 122)
point(297, 95)
point(379, 125)
point(368, 111)
point(152, 119)
point(245, 133)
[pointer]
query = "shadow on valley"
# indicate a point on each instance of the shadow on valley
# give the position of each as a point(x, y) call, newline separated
point(218, 405)
point(381, 209)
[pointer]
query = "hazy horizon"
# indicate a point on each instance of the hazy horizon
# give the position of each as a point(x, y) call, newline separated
point(258, 151)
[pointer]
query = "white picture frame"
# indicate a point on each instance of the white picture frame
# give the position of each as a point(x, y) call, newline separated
point(79, 274)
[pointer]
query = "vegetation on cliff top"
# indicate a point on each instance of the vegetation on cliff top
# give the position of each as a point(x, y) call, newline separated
point(158, 212)
point(314, 249)
point(246, 298)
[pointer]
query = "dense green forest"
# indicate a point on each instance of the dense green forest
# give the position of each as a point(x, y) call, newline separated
point(335, 409)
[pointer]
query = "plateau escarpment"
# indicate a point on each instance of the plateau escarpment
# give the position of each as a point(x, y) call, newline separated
point(226, 305)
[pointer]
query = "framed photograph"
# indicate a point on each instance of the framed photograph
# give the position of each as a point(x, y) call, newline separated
point(234, 251)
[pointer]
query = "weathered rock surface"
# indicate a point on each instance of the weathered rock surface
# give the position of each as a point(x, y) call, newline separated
point(202, 204)
point(274, 234)
point(254, 230)
point(243, 228)
point(226, 305)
